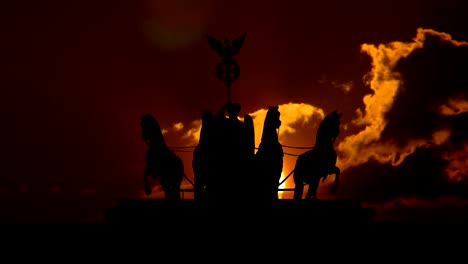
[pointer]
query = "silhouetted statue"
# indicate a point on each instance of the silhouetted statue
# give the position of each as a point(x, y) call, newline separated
point(228, 70)
point(229, 145)
point(160, 160)
point(228, 48)
point(249, 137)
point(268, 161)
point(202, 158)
point(319, 162)
point(234, 133)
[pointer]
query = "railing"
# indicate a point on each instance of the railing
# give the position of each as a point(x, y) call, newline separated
point(184, 149)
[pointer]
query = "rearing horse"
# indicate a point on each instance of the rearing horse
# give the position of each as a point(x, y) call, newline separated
point(318, 162)
point(160, 160)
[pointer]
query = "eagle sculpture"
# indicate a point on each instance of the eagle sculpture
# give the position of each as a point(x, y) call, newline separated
point(229, 48)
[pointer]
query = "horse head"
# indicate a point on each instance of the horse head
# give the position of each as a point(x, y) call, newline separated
point(334, 124)
point(329, 128)
point(151, 130)
point(273, 116)
point(271, 124)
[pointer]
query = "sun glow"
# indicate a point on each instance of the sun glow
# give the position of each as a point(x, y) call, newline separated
point(293, 116)
point(282, 186)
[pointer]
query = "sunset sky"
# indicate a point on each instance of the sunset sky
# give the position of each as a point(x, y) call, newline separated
point(77, 75)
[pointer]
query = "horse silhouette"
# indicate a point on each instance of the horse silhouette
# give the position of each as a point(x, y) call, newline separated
point(268, 161)
point(201, 162)
point(160, 160)
point(318, 162)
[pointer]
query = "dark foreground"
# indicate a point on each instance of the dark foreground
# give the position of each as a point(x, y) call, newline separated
point(285, 212)
point(310, 218)
point(187, 222)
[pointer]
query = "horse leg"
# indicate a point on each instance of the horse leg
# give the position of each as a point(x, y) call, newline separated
point(198, 189)
point(172, 188)
point(298, 189)
point(176, 191)
point(166, 191)
point(167, 188)
point(311, 193)
point(335, 182)
point(147, 183)
point(312, 190)
point(274, 191)
point(173, 192)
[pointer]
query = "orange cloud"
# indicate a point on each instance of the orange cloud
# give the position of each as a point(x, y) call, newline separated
point(345, 86)
point(293, 115)
point(193, 134)
point(457, 168)
point(421, 36)
point(454, 107)
point(385, 83)
point(440, 137)
point(178, 126)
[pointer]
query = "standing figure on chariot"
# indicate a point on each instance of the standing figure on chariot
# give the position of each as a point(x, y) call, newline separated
point(232, 147)
point(221, 162)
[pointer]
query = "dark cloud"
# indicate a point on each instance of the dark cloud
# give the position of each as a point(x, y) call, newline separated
point(431, 76)
point(421, 175)
point(459, 135)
